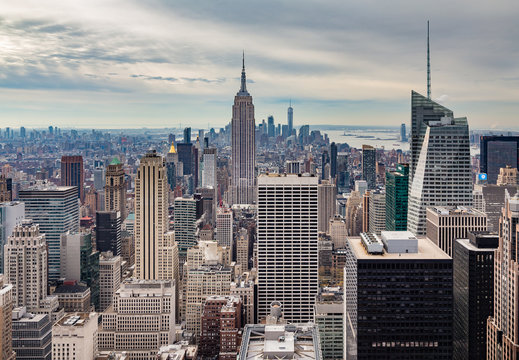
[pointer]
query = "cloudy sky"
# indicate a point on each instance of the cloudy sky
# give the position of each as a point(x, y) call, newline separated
point(145, 63)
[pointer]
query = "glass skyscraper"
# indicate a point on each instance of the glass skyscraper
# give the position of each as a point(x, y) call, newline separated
point(56, 210)
point(396, 198)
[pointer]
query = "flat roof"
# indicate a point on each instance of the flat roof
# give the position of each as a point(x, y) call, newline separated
point(427, 250)
point(470, 246)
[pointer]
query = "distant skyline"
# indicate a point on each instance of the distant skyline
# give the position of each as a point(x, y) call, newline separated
point(132, 64)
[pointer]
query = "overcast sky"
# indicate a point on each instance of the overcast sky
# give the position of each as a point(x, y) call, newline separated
point(124, 63)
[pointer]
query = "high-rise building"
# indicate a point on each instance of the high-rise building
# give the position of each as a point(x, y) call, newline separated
point(343, 175)
point(440, 169)
point(507, 176)
point(502, 327)
point(271, 127)
point(243, 287)
point(403, 134)
point(172, 166)
point(242, 249)
point(473, 293)
point(397, 186)
point(221, 323)
point(80, 262)
point(224, 227)
point(72, 174)
point(287, 217)
point(446, 224)
point(26, 265)
point(184, 216)
point(290, 119)
point(329, 317)
point(6, 192)
point(326, 198)
point(6, 321)
point(99, 178)
point(402, 280)
point(11, 214)
point(497, 152)
point(185, 156)
point(369, 164)
point(75, 336)
point(56, 210)
point(109, 278)
point(333, 161)
point(202, 282)
point(377, 212)
point(151, 218)
point(115, 188)
point(243, 145)
point(209, 172)
point(141, 319)
point(187, 135)
point(32, 335)
point(108, 231)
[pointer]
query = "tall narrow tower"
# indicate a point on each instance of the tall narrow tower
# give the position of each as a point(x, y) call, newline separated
point(151, 217)
point(428, 65)
point(115, 188)
point(243, 145)
point(290, 116)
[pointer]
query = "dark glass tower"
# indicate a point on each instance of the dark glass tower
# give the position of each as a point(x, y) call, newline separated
point(498, 152)
point(369, 168)
point(72, 173)
point(473, 294)
point(396, 198)
point(333, 160)
point(108, 231)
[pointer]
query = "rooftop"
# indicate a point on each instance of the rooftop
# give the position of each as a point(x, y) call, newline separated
point(427, 250)
point(280, 342)
point(75, 319)
point(455, 210)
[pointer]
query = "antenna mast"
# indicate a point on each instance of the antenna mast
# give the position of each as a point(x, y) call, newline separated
point(428, 65)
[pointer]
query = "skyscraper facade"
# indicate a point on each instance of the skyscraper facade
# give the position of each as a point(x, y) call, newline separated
point(11, 214)
point(224, 228)
point(243, 146)
point(108, 231)
point(502, 327)
point(115, 188)
point(56, 210)
point(369, 167)
point(72, 174)
point(26, 265)
point(343, 175)
point(171, 166)
point(440, 161)
point(497, 152)
point(326, 199)
point(6, 321)
point(151, 217)
point(397, 187)
point(333, 161)
point(209, 173)
point(287, 225)
point(184, 216)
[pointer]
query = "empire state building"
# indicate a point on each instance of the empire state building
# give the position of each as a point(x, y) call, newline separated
point(243, 145)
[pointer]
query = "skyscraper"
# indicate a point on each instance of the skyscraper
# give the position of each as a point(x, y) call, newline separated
point(184, 216)
point(503, 334)
point(108, 231)
point(326, 200)
point(333, 161)
point(6, 321)
point(271, 127)
point(56, 210)
point(287, 225)
point(403, 134)
point(440, 161)
point(343, 176)
point(369, 167)
point(185, 156)
point(497, 152)
point(224, 233)
point(11, 214)
point(398, 298)
point(115, 188)
point(209, 173)
point(377, 212)
point(290, 119)
point(72, 174)
point(473, 293)
point(397, 187)
point(151, 218)
point(6, 192)
point(26, 265)
point(243, 145)
point(171, 166)
point(187, 135)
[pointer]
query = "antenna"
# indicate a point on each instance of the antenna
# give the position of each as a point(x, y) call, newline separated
point(428, 65)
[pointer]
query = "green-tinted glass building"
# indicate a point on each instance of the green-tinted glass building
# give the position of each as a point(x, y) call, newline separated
point(397, 187)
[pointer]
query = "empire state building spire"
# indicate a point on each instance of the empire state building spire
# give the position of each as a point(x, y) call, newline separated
point(243, 89)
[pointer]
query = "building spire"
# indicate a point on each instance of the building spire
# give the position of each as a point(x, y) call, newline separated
point(428, 65)
point(243, 88)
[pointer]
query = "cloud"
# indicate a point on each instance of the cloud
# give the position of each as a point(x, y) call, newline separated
point(336, 55)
